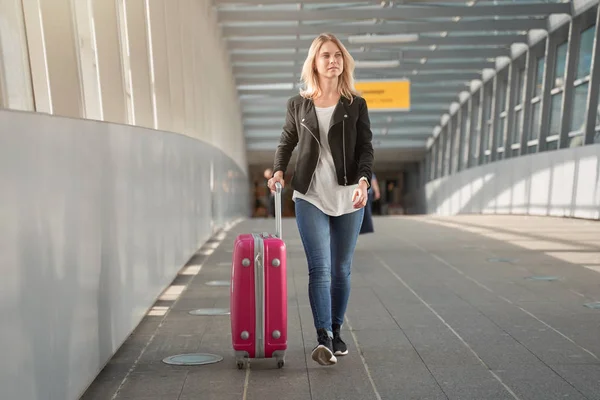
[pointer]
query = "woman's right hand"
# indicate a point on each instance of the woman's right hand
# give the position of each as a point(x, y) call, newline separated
point(277, 177)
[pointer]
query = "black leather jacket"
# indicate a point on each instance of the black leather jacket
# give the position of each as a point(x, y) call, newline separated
point(349, 139)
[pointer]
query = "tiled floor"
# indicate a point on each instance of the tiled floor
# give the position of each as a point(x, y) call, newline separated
point(469, 307)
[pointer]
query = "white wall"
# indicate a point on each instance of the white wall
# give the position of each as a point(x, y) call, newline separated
point(113, 118)
point(564, 183)
point(95, 221)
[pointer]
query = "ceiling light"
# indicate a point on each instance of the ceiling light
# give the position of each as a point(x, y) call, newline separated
point(423, 60)
point(369, 39)
point(378, 64)
point(443, 34)
point(432, 47)
point(456, 19)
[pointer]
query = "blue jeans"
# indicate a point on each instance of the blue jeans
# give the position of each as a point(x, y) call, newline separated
point(329, 244)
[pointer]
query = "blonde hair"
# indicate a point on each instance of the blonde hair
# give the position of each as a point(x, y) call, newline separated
point(310, 77)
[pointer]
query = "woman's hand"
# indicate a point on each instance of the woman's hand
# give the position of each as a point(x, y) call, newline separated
point(277, 177)
point(359, 196)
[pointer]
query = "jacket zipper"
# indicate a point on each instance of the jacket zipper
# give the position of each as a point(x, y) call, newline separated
point(344, 148)
point(319, 158)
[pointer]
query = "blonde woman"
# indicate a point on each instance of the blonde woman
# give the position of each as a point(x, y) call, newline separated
point(329, 123)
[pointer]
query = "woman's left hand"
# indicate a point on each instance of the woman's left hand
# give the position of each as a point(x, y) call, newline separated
point(359, 196)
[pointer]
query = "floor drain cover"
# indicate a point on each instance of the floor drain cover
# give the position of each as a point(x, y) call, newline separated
point(193, 359)
point(218, 283)
point(595, 305)
point(503, 260)
point(542, 278)
point(210, 311)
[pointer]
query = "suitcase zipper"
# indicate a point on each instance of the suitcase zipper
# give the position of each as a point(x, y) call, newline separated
point(259, 296)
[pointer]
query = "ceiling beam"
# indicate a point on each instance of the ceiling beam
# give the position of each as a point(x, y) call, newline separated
point(480, 40)
point(463, 66)
point(420, 134)
point(374, 74)
point(374, 56)
point(428, 99)
point(460, 76)
point(389, 28)
point(402, 11)
point(376, 117)
point(426, 104)
point(436, 92)
point(402, 126)
point(267, 112)
point(379, 143)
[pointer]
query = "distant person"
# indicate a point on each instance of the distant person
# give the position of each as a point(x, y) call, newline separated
point(374, 195)
point(329, 123)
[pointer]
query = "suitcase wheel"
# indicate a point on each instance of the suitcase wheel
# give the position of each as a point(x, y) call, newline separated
point(280, 357)
point(241, 358)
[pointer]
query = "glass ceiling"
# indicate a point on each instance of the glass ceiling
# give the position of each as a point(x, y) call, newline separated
point(455, 42)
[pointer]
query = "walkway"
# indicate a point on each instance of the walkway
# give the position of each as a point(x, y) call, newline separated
point(469, 307)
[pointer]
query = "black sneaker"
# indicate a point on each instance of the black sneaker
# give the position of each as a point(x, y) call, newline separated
point(323, 353)
point(339, 347)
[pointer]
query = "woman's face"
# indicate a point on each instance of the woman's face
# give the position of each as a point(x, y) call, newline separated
point(329, 61)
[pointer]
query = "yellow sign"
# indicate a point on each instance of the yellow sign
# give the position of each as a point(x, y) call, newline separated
point(385, 95)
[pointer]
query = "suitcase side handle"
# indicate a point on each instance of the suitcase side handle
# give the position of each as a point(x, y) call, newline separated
point(278, 223)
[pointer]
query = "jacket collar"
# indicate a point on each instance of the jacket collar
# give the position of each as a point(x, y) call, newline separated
point(310, 115)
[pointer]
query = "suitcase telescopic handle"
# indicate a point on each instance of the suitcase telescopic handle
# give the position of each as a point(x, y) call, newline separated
point(278, 223)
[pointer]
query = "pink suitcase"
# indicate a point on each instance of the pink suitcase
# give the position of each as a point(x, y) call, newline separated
point(258, 297)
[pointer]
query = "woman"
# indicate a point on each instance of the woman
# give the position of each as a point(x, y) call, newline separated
point(329, 123)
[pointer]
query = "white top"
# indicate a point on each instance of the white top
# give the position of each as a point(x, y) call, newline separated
point(324, 192)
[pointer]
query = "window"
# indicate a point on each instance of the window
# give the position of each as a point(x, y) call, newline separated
point(554, 127)
point(533, 133)
point(553, 134)
point(520, 90)
point(455, 144)
point(464, 136)
point(517, 133)
point(581, 86)
point(586, 48)
point(516, 130)
point(447, 148)
point(559, 68)
point(487, 121)
point(432, 161)
point(440, 153)
point(475, 131)
point(539, 77)
point(499, 131)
